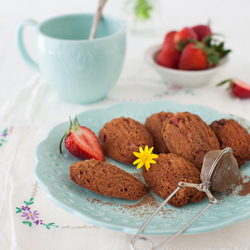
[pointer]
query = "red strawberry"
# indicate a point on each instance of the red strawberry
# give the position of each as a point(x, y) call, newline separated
point(169, 57)
point(202, 31)
point(82, 142)
point(184, 36)
point(193, 58)
point(169, 40)
point(238, 87)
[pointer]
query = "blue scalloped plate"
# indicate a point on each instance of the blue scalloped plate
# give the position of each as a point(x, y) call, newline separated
point(52, 173)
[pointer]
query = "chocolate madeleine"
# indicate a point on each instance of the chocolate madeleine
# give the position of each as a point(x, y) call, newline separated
point(107, 179)
point(123, 136)
point(164, 176)
point(189, 136)
point(231, 134)
point(154, 126)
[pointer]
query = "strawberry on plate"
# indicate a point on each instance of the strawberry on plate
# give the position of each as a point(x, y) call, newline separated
point(82, 142)
point(238, 88)
point(202, 31)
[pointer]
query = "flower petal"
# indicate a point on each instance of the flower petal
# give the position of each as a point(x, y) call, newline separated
point(141, 150)
point(140, 165)
point(146, 150)
point(152, 161)
point(35, 212)
point(150, 150)
point(137, 154)
point(147, 165)
point(137, 161)
point(153, 156)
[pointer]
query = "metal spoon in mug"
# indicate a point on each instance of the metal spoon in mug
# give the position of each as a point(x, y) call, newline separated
point(97, 18)
point(219, 171)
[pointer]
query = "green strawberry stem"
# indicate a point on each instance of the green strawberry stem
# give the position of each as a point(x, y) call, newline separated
point(212, 55)
point(230, 81)
point(207, 40)
point(213, 49)
point(71, 127)
point(182, 45)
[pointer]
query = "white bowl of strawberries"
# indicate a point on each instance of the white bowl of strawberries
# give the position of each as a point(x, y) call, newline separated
point(188, 58)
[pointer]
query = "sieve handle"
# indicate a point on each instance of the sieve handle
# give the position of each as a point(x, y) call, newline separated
point(201, 187)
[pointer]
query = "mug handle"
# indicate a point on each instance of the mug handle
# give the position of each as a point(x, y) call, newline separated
point(21, 45)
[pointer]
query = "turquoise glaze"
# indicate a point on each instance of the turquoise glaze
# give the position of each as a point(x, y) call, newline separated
point(80, 70)
point(52, 173)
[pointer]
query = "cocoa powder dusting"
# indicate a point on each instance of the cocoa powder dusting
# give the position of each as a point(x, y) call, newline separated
point(139, 176)
point(143, 209)
point(245, 190)
point(241, 187)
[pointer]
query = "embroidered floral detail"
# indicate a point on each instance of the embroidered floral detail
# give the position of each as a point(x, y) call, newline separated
point(19, 210)
point(28, 223)
point(173, 90)
point(4, 134)
point(38, 221)
point(32, 217)
point(50, 225)
point(25, 208)
point(28, 202)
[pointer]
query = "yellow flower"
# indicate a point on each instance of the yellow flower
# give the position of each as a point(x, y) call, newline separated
point(145, 157)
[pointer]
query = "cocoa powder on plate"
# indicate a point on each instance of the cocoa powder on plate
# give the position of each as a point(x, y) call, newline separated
point(143, 209)
point(241, 187)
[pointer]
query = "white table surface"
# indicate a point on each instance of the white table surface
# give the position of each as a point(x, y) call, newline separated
point(228, 17)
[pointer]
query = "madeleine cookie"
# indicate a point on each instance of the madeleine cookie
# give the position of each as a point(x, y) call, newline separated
point(107, 179)
point(123, 136)
point(232, 134)
point(164, 176)
point(154, 126)
point(189, 136)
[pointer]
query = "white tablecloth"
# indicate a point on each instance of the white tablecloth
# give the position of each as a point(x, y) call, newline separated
point(29, 116)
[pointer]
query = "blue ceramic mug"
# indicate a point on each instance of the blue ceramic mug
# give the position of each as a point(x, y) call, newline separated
point(81, 70)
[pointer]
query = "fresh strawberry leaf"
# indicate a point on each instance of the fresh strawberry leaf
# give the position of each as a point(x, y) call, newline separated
point(76, 123)
point(223, 82)
point(207, 41)
point(67, 133)
point(224, 53)
point(219, 48)
point(182, 45)
point(230, 81)
point(213, 59)
point(212, 56)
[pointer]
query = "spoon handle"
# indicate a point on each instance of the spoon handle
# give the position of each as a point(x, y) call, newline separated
point(97, 18)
